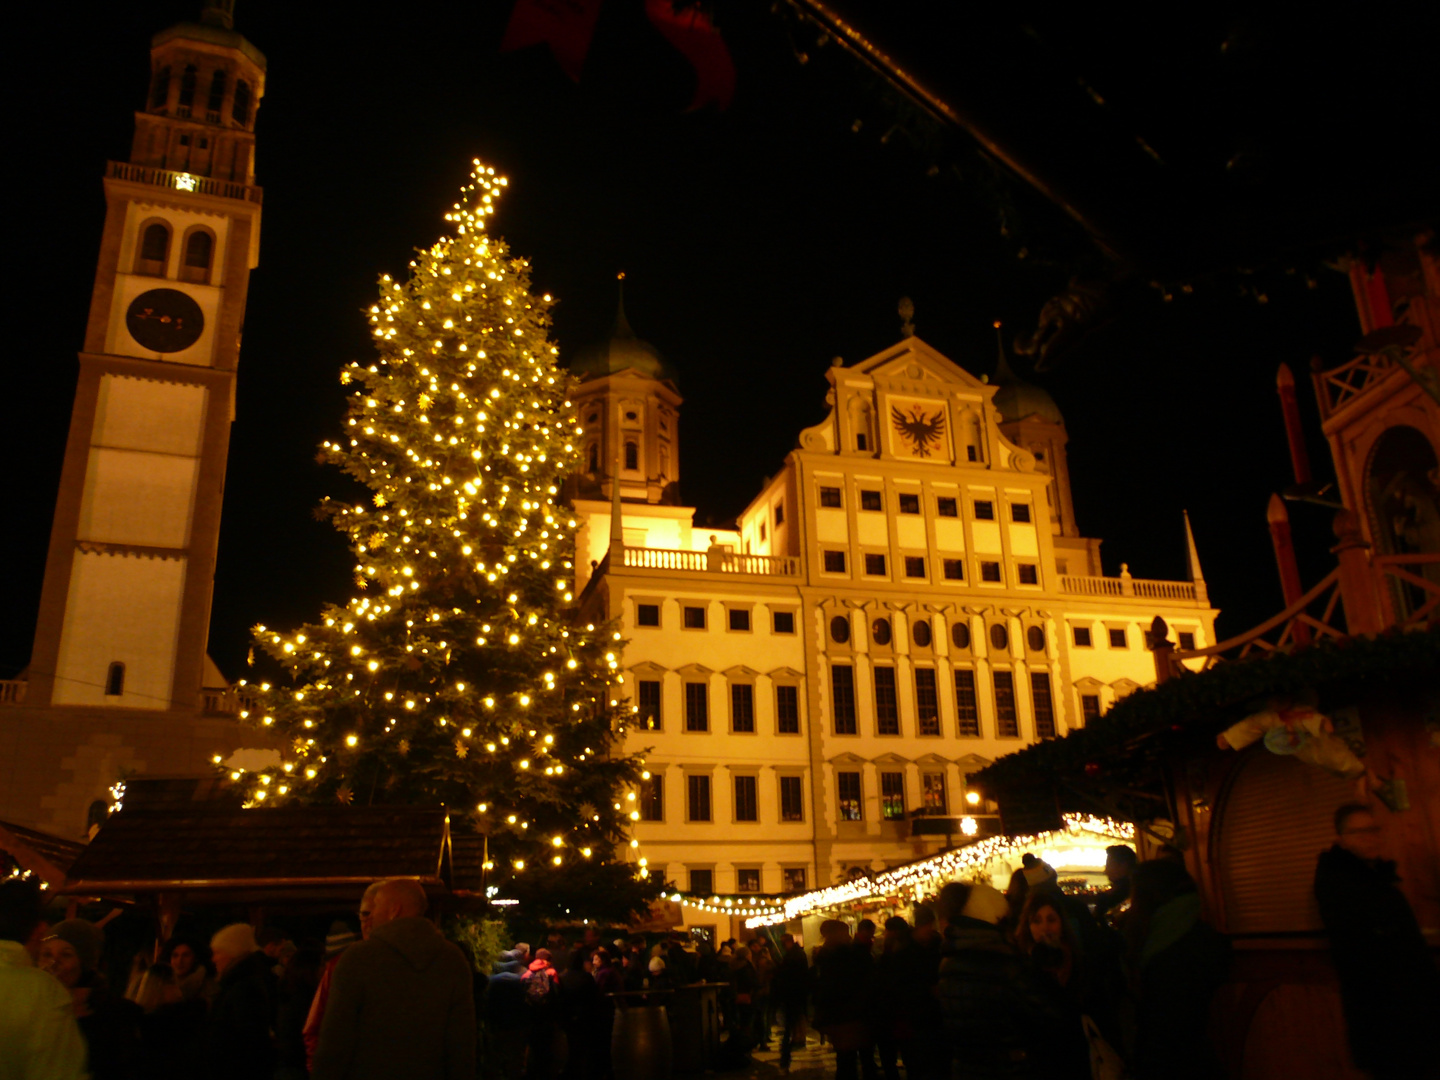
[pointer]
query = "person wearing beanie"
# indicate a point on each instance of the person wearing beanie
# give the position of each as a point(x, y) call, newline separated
point(1001, 1019)
point(109, 1023)
point(38, 1033)
point(237, 1040)
point(342, 937)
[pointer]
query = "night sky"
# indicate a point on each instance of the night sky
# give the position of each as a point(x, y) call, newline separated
point(758, 243)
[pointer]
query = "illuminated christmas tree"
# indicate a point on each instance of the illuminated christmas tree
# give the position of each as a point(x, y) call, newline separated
point(459, 673)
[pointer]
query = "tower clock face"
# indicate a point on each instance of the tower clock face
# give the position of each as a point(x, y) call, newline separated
point(164, 320)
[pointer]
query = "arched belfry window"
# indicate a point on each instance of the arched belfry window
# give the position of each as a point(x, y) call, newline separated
point(199, 250)
point(632, 456)
point(217, 96)
point(240, 110)
point(154, 249)
point(593, 460)
point(188, 78)
point(115, 680)
point(160, 88)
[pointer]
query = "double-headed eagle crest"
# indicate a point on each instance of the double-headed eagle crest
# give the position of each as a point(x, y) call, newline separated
point(923, 433)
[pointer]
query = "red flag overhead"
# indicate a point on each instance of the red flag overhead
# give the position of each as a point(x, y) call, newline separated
point(691, 32)
point(565, 25)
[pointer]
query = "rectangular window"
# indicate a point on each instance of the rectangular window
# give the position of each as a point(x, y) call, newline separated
point(892, 796)
point(746, 805)
point(966, 714)
point(649, 693)
point(887, 713)
point(847, 784)
point(954, 569)
point(834, 562)
point(1019, 511)
point(1082, 636)
point(932, 793)
point(787, 710)
point(702, 882)
point(1187, 641)
point(694, 618)
point(972, 453)
point(875, 565)
point(647, 614)
point(1029, 573)
point(842, 692)
point(914, 566)
point(779, 513)
point(652, 798)
point(762, 531)
point(830, 496)
point(697, 797)
point(946, 506)
point(871, 500)
point(697, 706)
point(793, 878)
point(984, 510)
point(909, 504)
point(1044, 704)
point(989, 571)
point(747, 879)
point(782, 622)
point(927, 702)
point(739, 618)
point(742, 708)
point(1005, 719)
point(1117, 637)
point(792, 799)
point(1090, 707)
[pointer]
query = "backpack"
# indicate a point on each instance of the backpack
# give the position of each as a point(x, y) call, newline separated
point(538, 988)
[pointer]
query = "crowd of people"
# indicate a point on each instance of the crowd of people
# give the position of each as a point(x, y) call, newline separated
point(1029, 984)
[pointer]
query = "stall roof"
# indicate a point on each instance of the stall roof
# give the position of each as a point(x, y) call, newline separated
point(47, 857)
point(283, 850)
point(1114, 765)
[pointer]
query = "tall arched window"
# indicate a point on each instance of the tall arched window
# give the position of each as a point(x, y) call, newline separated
point(115, 680)
point(199, 249)
point(187, 87)
point(154, 250)
point(217, 94)
point(241, 109)
point(593, 459)
point(160, 88)
point(632, 456)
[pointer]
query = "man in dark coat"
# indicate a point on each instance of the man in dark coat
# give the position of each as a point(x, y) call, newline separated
point(912, 971)
point(401, 1002)
point(1388, 981)
point(791, 986)
point(843, 984)
point(238, 1031)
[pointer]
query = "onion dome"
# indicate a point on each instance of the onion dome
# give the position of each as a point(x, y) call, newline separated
point(621, 352)
point(1020, 400)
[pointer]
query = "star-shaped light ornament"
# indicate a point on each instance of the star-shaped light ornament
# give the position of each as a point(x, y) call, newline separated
point(343, 795)
point(403, 747)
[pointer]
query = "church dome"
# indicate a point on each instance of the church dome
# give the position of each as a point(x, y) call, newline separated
point(621, 351)
point(1019, 400)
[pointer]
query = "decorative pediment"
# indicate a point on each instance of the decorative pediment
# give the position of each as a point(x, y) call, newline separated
point(694, 671)
point(739, 671)
point(972, 763)
point(891, 759)
point(785, 673)
point(847, 758)
point(931, 759)
point(1124, 686)
point(647, 670)
point(1088, 685)
point(916, 364)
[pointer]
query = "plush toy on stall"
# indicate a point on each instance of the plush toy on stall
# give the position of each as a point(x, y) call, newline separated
point(1295, 728)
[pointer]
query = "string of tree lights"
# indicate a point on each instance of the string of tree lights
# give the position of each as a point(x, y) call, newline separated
point(459, 673)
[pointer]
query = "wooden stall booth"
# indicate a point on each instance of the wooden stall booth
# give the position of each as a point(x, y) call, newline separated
point(1251, 822)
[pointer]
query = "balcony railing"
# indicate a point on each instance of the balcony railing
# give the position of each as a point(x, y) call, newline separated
point(227, 702)
point(1125, 585)
point(182, 181)
point(714, 561)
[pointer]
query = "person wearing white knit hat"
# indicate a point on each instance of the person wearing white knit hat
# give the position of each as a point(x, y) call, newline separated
point(237, 1033)
point(235, 942)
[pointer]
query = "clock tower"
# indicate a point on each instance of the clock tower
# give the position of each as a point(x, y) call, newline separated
point(125, 605)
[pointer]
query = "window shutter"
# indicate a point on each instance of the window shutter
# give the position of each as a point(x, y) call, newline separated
point(1274, 823)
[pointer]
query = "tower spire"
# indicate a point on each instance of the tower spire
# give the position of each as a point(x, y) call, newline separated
point(1003, 374)
point(1192, 562)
